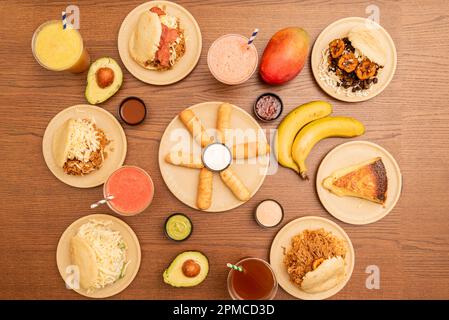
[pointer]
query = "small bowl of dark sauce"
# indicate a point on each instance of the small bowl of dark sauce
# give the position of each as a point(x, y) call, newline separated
point(132, 111)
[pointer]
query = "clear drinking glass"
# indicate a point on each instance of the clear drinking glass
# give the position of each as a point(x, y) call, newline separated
point(257, 281)
point(80, 64)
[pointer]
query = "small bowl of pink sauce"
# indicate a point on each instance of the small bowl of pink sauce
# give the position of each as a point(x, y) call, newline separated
point(269, 213)
point(132, 189)
point(231, 60)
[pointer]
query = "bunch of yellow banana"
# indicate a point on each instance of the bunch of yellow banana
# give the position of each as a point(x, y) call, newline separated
point(304, 127)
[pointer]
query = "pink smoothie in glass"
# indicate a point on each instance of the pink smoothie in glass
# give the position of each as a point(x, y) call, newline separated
point(132, 189)
point(231, 60)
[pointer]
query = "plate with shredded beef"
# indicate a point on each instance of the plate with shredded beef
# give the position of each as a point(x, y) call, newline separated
point(312, 257)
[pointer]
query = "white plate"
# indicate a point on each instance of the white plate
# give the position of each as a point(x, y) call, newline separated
point(63, 258)
point(183, 182)
point(283, 240)
point(184, 66)
point(340, 29)
point(116, 149)
point(350, 209)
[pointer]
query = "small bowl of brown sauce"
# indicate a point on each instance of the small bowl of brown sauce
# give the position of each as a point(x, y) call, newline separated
point(268, 107)
point(132, 111)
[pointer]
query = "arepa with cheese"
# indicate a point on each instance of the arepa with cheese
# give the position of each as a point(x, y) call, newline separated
point(83, 257)
point(100, 253)
point(79, 146)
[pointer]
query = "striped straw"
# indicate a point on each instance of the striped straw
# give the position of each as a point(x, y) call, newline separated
point(234, 267)
point(102, 201)
point(64, 20)
point(253, 36)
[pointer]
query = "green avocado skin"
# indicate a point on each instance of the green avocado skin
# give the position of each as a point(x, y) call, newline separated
point(94, 94)
point(174, 276)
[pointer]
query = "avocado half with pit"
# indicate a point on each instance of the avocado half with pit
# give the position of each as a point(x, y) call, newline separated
point(104, 79)
point(188, 269)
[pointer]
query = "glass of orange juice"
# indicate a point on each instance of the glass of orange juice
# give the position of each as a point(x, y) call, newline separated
point(59, 49)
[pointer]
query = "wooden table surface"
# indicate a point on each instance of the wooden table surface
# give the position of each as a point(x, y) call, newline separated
point(410, 119)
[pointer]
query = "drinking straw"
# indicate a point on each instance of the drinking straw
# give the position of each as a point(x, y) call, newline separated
point(102, 201)
point(253, 36)
point(234, 267)
point(64, 20)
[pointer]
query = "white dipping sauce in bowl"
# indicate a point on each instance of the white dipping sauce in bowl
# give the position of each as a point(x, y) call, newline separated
point(216, 157)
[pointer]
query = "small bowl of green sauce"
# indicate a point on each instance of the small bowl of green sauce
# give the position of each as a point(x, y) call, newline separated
point(178, 227)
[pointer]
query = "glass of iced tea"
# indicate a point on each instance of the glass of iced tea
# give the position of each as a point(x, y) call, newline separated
point(256, 281)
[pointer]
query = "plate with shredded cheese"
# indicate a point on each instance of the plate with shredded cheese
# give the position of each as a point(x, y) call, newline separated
point(98, 256)
point(83, 145)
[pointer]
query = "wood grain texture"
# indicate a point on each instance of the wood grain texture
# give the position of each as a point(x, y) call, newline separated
point(410, 119)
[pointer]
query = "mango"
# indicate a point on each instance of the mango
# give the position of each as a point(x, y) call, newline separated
point(285, 55)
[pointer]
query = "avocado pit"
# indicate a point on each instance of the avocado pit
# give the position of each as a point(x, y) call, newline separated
point(105, 77)
point(190, 268)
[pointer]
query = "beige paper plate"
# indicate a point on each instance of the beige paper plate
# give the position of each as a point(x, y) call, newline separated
point(116, 149)
point(63, 258)
point(184, 66)
point(183, 182)
point(350, 209)
point(339, 29)
point(283, 240)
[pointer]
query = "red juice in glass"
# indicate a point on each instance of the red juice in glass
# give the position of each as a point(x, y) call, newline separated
point(256, 282)
point(132, 188)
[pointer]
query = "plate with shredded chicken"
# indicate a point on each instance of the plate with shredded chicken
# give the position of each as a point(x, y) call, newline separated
point(83, 145)
point(312, 257)
point(98, 256)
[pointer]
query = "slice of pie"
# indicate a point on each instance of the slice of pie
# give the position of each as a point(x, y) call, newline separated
point(367, 180)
